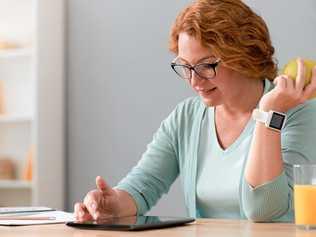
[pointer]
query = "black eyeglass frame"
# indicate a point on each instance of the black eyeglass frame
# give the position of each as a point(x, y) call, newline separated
point(213, 65)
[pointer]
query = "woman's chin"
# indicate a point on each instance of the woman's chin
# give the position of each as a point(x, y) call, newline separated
point(209, 102)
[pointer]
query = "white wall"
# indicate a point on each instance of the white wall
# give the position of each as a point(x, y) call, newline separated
point(120, 85)
point(292, 26)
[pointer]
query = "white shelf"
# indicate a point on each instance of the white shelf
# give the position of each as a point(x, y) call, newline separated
point(15, 53)
point(15, 184)
point(15, 119)
point(27, 91)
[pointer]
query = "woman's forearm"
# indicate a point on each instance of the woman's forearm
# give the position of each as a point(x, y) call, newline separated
point(265, 158)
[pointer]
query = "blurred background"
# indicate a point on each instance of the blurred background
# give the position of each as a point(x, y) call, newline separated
point(85, 84)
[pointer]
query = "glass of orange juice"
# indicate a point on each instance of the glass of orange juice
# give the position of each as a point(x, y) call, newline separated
point(305, 195)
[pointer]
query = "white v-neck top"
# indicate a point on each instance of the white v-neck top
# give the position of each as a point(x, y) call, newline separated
point(219, 170)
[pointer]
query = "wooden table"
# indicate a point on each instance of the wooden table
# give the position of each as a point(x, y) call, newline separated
point(201, 228)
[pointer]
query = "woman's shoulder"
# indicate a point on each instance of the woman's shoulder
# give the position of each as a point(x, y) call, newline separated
point(305, 113)
point(186, 111)
point(190, 105)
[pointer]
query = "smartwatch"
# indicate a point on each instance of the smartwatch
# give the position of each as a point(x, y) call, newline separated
point(272, 119)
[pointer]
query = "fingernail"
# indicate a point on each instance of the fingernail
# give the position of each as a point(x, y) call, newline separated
point(93, 205)
point(81, 213)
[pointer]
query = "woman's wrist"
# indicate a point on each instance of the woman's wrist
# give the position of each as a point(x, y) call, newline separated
point(126, 203)
point(271, 106)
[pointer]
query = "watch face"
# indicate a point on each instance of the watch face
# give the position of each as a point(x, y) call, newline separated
point(277, 120)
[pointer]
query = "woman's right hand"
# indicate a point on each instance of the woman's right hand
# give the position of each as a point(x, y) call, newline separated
point(98, 204)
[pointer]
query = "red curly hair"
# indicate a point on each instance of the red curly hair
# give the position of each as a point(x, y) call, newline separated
point(232, 31)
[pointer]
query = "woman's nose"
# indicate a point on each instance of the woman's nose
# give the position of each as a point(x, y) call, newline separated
point(196, 79)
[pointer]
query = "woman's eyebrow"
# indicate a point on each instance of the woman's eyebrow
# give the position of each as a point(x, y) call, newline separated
point(208, 57)
point(200, 60)
point(184, 61)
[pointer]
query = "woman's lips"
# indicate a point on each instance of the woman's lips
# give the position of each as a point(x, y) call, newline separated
point(206, 92)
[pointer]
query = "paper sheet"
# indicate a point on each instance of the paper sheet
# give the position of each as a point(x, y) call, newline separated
point(27, 209)
point(60, 217)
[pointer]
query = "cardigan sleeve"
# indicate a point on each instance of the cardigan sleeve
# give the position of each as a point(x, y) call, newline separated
point(273, 201)
point(157, 169)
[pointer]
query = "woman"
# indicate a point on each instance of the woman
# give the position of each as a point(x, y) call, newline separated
point(231, 165)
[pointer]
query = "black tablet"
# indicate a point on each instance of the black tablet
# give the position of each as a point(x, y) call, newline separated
point(132, 223)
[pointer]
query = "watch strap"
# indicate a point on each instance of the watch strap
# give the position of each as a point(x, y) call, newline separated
point(260, 115)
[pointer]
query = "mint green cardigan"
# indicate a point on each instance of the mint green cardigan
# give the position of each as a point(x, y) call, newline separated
point(174, 151)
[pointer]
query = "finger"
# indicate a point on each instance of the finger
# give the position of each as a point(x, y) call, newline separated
point(300, 77)
point(280, 82)
point(91, 202)
point(76, 209)
point(310, 89)
point(84, 213)
point(103, 186)
point(314, 74)
point(103, 216)
point(290, 83)
point(81, 213)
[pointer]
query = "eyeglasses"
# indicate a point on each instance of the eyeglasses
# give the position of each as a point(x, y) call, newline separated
point(203, 70)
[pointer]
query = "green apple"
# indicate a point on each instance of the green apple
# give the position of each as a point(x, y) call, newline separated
point(290, 69)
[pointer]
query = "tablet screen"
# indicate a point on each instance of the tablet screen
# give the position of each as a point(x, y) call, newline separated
point(132, 223)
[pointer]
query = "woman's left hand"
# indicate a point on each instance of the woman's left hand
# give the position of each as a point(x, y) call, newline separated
point(289, 93)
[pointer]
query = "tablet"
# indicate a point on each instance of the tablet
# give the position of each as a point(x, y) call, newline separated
point(132, 223)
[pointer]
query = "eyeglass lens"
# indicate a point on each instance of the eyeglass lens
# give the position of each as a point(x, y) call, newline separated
point(204, 70)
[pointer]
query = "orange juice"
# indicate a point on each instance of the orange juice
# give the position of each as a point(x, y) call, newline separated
point(305, 204)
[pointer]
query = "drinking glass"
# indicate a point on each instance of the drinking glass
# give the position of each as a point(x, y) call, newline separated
point(305, 195)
